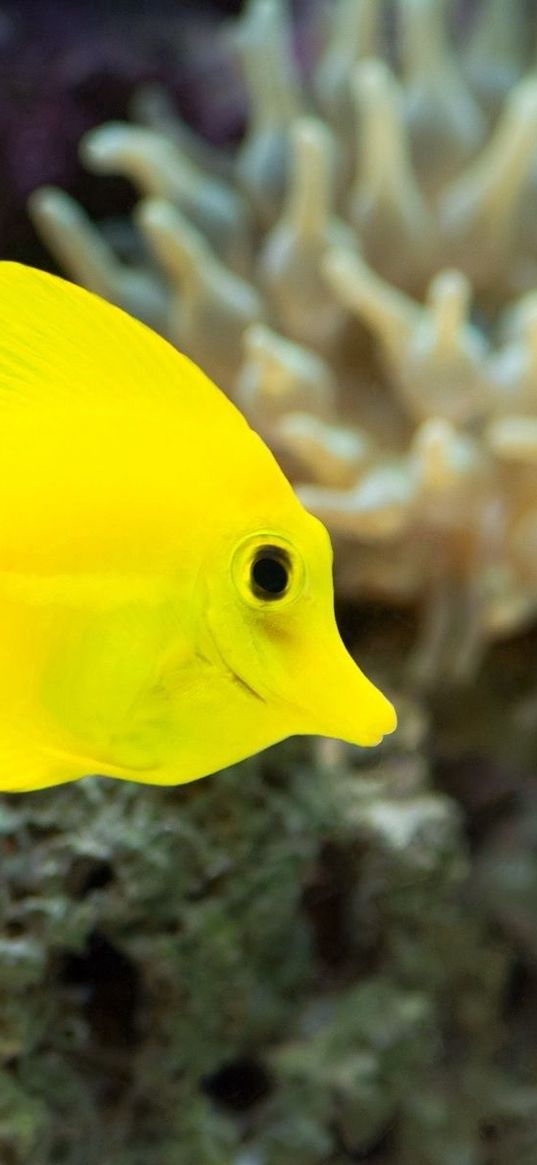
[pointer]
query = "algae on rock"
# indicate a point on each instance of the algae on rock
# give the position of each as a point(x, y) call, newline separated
point(272, 962)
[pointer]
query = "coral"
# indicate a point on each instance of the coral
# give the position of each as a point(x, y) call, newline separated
point(359, 276)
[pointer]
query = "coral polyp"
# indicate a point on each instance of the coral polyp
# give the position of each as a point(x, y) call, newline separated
point(360, 276)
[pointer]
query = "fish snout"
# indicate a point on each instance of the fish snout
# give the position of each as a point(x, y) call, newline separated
point(341, 702)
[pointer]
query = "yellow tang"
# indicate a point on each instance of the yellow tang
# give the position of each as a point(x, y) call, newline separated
point(166, 603)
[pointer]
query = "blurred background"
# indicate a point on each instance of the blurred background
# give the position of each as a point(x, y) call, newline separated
point(78, 65)
point(323, 955)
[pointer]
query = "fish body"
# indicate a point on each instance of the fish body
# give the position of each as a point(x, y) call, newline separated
point(166, 603)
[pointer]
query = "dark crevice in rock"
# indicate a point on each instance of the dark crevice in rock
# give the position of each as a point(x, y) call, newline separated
point(89, 874)
point(325, 901)
point(238, 1085)
point(111, 990)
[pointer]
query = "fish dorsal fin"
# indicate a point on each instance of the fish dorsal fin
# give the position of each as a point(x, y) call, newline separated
point(59, 342)
point(114, 446)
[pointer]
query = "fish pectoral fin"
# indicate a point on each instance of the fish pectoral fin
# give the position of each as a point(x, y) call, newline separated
point(26, 764)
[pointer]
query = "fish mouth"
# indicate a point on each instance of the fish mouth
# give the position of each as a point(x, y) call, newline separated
point(338, 700)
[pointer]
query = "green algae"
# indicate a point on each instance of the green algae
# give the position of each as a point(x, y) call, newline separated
point(289, 962)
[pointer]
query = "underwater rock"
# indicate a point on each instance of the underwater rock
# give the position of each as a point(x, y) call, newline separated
point(283, 964)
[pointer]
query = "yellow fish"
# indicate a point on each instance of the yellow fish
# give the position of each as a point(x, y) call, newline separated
point(166, 604)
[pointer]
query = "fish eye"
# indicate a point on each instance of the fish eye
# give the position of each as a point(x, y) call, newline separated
point(270, 573)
